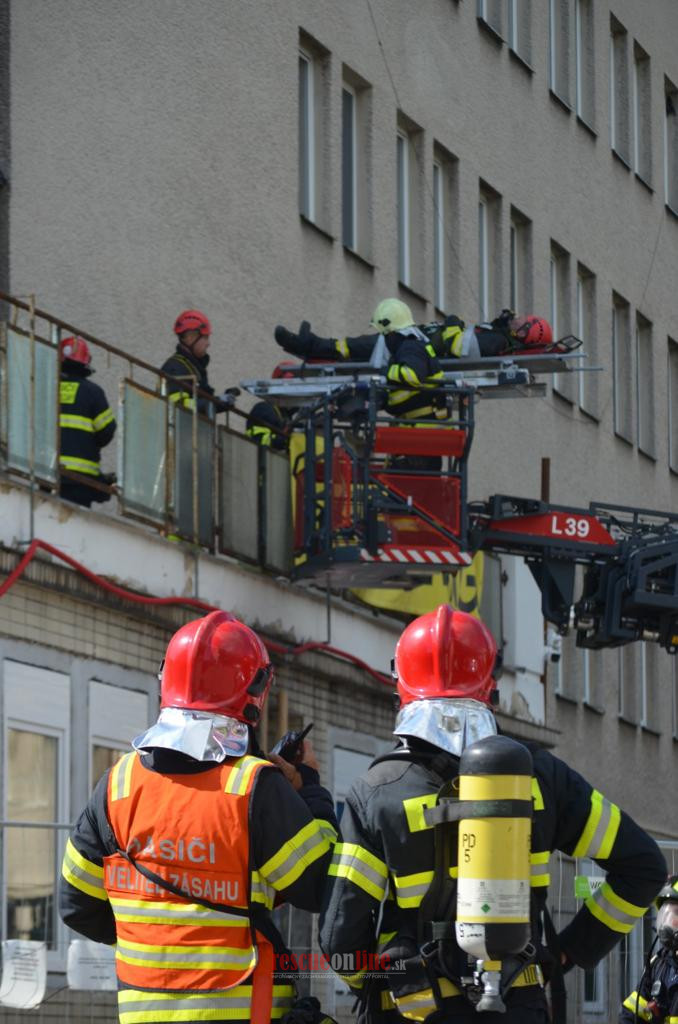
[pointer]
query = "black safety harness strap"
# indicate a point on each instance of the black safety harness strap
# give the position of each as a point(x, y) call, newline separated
point(450, 810)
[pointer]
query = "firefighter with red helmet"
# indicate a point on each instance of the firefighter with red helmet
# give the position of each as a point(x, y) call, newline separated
point(86, 424)
point(188, 365)
point(656, 998)
point(267, 422)
point(388, 870)
point(189, 841)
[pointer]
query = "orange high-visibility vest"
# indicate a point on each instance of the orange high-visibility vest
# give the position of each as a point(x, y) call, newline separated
point(191, 830)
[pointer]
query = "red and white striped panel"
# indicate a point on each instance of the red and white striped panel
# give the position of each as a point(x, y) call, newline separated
point(421, 556)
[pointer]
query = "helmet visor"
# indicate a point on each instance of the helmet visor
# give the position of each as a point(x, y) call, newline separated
point(447, 723)
point(667, 917)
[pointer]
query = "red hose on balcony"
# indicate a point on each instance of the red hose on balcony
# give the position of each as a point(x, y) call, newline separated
point(192, 602)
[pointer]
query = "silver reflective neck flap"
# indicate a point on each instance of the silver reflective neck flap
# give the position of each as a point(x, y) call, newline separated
point(199, 734)
point(451, 724)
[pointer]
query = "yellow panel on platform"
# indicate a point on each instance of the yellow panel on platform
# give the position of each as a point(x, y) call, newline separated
point(463, 590)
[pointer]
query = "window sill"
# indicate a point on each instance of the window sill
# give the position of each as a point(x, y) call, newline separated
point(650, 730)
point(412, 291)
point(588, 127)
point(596, 708)
point(563, 397)
point(593, 416)
point(316, 227)
point(566, 698)
point(520, 61)
point(560, 102)
point(669, 209)
point(627, 721)
point(626, 440)
point(490, 31)
point(650, 456)
point(363, 260)
point(645, 183)
point(622, 159)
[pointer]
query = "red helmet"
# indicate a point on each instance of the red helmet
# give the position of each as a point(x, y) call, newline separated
point(216, 664)
point(282, 369)
point(445, 653)
point(192, 320)
point(76, 349)
point(533, 330)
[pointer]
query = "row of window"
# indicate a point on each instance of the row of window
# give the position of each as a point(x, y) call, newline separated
point(642, 672)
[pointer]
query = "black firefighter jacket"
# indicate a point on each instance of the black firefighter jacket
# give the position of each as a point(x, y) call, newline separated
point(386, 862)
point(658, 988)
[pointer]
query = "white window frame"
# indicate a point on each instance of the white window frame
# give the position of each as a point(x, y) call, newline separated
point(353, 243)
point(621, 310)
point(404, 203)
point(581, 328)
point(553, 75)
point(307, 144)
point(439, 219)
point(645, 399)
point(671, 377)
point(483, 260)
point(674, 681)
point(512, 25)
point(37, 700)
point(613, 97)
point(635, 126)
point(578, 60)
point(513, 267)
point(116, 715)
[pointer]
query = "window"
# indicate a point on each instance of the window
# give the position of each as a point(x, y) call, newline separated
point(568, 682)
point(585, 329)
point(349, 177)
point(116, 715)
point(592, 677)
point(595, 980)
point(409, 192)
point(445, 228)
point(519, 35)
point(520, 252)
point(642, 115)
point(674, 689)
point(559, 49)
point(559, 281)
point(622, 369)
point(671, 145)
point(313, 105)
point(645, 393)
point(355, 163)
point(584, 50)
point(490, 16)
point(489, 248)
point(619, 92)
point(35, 766)
point(650, 702)
point(629, 672)
point(672, 378)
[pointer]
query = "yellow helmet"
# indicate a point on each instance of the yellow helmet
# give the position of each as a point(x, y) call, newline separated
point(392, 315)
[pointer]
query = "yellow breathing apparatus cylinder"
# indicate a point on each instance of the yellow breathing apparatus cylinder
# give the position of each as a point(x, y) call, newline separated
point(493, 887)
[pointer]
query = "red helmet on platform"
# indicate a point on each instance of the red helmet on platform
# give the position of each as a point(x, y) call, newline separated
point(216, 664)
point(283, 369)
point(533, 330)
point(444, 654)
point(192, 320)
point(76, 349)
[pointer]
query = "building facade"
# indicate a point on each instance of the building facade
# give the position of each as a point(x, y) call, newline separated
point(271, 162)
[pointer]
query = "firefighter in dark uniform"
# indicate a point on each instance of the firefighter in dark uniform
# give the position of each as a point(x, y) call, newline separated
point(86, 423)
point(188, 365)
point(191, 838)
point(267, 422)
point(415, 351)
point(656, 998)
point(382, 871)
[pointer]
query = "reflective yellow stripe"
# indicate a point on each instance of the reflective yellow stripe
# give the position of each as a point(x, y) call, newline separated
point(187, 957)
point(68, 390)
point(138, 1007)
point(361, 867)
point(537, 798)
point(414, 811)
point(86, 466)
point(261, 891)
point(262, 435)
point(385, 938)
point(83, 874)
point(341, 346)
point(294, 856)
point(354, 980)
point(612, 910)
point(103, 419)
point(241, 773)
point(185, 399)
point(539, 873)
point(634, 1000)
point(166, 913)
point(121, 777)
point(76, 422)
point(600, 831)
point(329, 831)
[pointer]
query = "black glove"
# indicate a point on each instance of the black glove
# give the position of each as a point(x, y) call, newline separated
point(502, 321)
point(227, 400)
point(297, 344)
